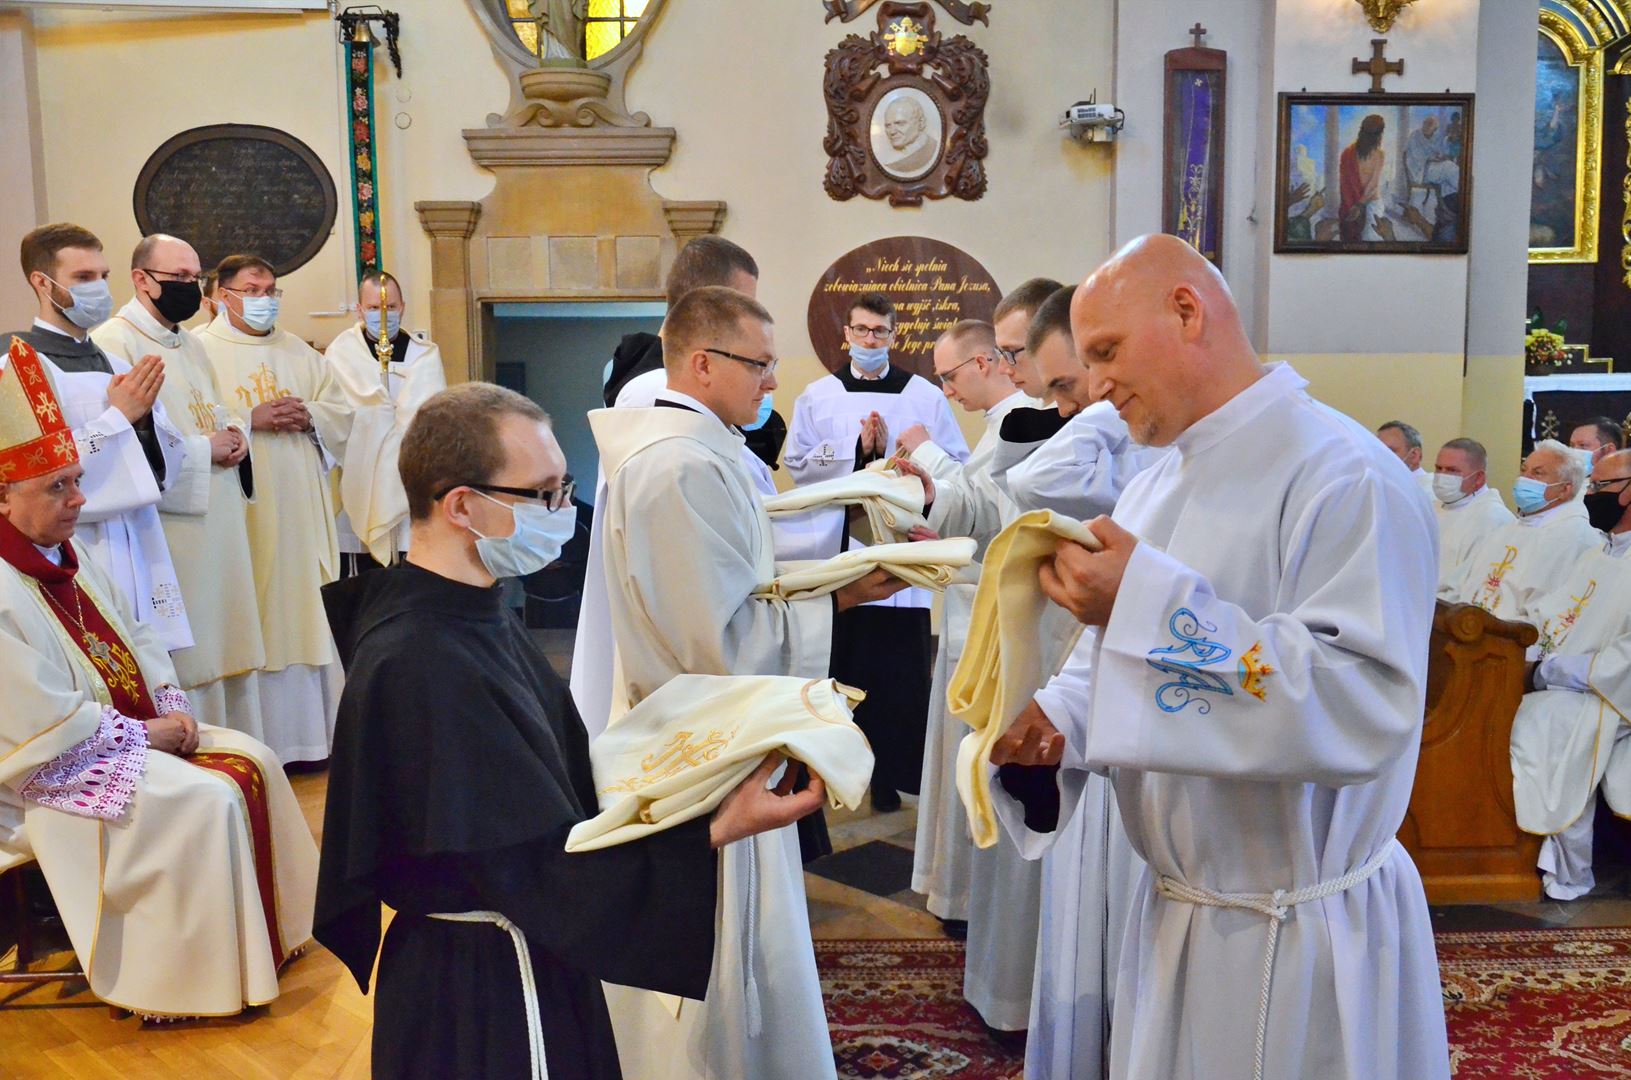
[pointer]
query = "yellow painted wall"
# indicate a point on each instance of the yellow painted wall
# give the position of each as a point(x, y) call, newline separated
point(1491, 410)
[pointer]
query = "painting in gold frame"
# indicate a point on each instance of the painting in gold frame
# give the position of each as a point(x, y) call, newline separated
point(1567, 166)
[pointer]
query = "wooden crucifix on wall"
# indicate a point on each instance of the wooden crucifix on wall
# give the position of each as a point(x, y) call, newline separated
point(1192, 172)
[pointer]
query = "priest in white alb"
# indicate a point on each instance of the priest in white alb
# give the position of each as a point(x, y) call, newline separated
point(1570, 734)
point(385, 374)
point(1264, 597)
point(131, 452)
point(175, 852)
point(1468, 509)
point(295, 410)
point(687, 543)
point(1519, 563)
point(203, 511)
point(996, 886)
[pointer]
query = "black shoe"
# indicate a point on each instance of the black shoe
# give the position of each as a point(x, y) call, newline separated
point(885, 801)
point(956, 929)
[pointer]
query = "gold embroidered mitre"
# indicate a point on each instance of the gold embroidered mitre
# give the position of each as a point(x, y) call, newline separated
point(34, 436)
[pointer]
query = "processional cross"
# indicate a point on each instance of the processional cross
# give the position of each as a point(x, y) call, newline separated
point(1377, 67)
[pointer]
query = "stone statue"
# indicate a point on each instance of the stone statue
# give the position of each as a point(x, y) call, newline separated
point(561, 24)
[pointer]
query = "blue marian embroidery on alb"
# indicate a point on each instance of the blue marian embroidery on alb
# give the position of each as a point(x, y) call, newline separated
point(1190, 678)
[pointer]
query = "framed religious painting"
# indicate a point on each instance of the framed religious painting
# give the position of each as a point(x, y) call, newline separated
point(1563, 201)
point(905, 112)
point(1373, 174)
point(1192, 158)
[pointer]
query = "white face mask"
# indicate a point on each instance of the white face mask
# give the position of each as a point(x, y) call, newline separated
point(93, 303)
point(1448, 488)
point(868, 359)
point(540, 534)
point(260, 312)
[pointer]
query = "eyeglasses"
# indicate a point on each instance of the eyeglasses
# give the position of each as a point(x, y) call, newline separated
point(767, 368)
point(945, 376)
point(273, 293)
point(871, 333)
point(1009, 356)
point(553, 498)
point(186, 277)
point(1603, 485)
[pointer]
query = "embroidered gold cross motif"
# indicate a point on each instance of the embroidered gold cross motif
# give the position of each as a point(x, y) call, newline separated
point(64, 446)
point(680, 753)
point(202, 412)
point(1552, 637)
point(1497, 573)
point(45, 408)
point(262, 387)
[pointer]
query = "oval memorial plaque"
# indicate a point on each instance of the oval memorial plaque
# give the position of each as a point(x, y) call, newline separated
point(931, 283)
point(238, 188)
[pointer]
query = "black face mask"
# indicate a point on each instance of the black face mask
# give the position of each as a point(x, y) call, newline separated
point(1604, 509)
point(178, 301)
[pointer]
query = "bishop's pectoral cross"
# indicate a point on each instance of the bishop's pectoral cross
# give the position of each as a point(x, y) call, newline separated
point(1377, 67)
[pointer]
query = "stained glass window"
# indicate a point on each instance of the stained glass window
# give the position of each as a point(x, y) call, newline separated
point(606, 23)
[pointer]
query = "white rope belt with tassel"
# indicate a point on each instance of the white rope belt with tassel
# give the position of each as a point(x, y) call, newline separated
point(1276, 905)
point(529, 987)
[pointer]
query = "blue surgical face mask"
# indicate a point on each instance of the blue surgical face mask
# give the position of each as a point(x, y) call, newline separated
point(537, 540)
point(869, 359)
point(93, 303)
point(260, 312)
point(1529, 494)
point(766, 407)
point(393, 323)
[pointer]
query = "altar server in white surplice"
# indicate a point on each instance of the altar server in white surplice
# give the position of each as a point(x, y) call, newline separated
point(374, 510)
point(131, 452)
point(203, 511)
point(1468, 510)
point(687, 541)
point(1404, 441)
point(1570, 732)
point(998, 886)
point(175, 851)
point(1264, 601)
point(1519, 563)
point(841, 423)
point(1089, 868)
point(296, 412)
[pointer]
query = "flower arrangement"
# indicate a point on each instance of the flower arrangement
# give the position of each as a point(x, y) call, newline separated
point(1542, 348)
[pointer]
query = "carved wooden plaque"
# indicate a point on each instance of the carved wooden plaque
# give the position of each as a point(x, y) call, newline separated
point(931, 283)
point(906, 112)
point(231, 188)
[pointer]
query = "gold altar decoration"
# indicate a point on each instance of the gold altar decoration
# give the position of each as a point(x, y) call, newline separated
point(1381, 13)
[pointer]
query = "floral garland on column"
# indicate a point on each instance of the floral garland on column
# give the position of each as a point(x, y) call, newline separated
point(364, 160)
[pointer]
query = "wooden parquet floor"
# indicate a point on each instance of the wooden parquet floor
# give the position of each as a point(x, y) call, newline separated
point(318, 1029)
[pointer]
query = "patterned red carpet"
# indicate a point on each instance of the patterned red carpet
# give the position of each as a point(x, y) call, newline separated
point(1521, 1005)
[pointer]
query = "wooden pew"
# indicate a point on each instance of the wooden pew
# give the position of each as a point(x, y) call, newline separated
point(1461, 829)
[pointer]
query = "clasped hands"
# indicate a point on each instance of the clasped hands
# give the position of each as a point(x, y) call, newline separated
point(228, 447)
point(285, 414)
point(174, 733)
point(753, 806)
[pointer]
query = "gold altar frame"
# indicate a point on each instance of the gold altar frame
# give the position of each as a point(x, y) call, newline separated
point(1589, 143)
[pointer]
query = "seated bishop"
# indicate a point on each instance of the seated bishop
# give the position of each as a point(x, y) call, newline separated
point(385, 374)
point(175, 852)
point(1516, 565)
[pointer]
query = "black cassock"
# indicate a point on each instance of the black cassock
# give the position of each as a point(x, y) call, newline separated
point(459, 767)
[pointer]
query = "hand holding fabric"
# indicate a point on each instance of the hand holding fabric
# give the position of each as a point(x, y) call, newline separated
point(1085, 583)
point(912, 438)
point(880, 584)
point(755, 807)
point(909, 468)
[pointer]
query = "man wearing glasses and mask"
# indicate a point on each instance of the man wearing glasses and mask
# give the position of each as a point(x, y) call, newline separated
point(300, 421)
point(132, 450)
point(1569, 736)
point(203, 512)
point(841, 423)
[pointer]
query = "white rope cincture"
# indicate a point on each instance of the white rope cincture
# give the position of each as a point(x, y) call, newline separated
point(529, 987)
point(1276, 905)
point(750, 932)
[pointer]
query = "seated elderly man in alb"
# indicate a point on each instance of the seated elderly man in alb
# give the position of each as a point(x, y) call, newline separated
point(1469, 510)
point(1516, 565)
point(175, 851)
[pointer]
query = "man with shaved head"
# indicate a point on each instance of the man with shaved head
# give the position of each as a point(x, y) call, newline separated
point(203, 511)
point(1262, 603)
point(1516, 565)
point(1569, 737)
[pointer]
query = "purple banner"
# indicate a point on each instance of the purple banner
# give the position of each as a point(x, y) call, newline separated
point(1193, 173)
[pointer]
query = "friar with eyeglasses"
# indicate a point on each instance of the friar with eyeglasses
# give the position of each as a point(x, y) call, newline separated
point(203, 512)
point(133, 452)
point(687, 546)
point(841, 423)
point(299, 420)
point(460, 766)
